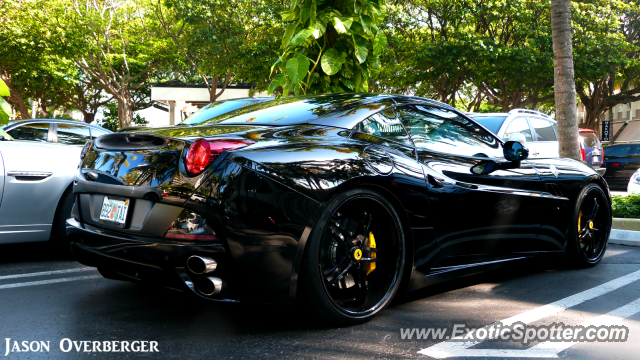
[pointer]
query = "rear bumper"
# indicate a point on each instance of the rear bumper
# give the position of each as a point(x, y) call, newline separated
point(146, 260)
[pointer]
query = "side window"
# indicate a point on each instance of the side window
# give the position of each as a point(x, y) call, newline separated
point(446, 132)
point(518, 126)
point(33, 132)
point(97, 133)
point(73, 134)
point(386, 125)
point(635, 152)
point(544, 129)
point(617, 152)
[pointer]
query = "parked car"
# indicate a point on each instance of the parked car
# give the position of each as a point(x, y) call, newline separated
point(339, 201)
point(539, 132)
point(591, 148)
point(634, 183)
point(538, 129)
point(67, 132)
point(36, 173)
point(621, 161)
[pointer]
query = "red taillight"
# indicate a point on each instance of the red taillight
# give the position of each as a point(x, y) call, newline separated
point(615, 164)
point(602, 154)
point(583, 155)
point(220, 145)
point(215, 147)
point(198, 157)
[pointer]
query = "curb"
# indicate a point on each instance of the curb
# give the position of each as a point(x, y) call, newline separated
point(624, 237)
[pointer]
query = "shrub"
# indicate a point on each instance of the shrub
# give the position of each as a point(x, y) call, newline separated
point(626, 206)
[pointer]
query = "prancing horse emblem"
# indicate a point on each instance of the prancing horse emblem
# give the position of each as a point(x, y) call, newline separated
point(554, 170)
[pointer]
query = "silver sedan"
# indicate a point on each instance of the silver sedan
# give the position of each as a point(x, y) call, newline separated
point(37, 167)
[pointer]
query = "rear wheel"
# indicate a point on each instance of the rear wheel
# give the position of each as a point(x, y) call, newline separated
point(354, 258)
point(589, 233)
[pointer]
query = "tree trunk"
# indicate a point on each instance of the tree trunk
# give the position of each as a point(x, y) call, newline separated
point(565, 86)
point(125, 109)
point(88, 117)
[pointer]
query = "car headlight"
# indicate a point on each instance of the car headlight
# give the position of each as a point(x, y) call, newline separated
point(636, 178)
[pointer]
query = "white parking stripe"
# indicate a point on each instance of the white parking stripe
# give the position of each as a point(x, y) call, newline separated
point(611, 318)
point(54, 272)
point(527, 317)
point(52, 281)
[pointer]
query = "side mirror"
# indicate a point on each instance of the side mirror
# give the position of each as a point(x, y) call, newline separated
point(515, 151)
point(519, 137)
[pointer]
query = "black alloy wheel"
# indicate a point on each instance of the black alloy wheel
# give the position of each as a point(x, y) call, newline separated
point(592, 224)
point(354, 259)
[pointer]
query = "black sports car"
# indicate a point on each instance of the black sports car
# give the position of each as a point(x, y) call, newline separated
point(335, 201)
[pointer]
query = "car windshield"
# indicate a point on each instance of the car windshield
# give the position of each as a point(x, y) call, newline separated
point(590, 140)
point(218, 108)
point(492, 123)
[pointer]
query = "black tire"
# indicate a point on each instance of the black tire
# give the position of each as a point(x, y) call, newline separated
point(353, 289)
point(59, 228)
point(590, 227)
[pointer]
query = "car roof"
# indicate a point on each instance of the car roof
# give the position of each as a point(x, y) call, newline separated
point(16, 123)
point(336, 109)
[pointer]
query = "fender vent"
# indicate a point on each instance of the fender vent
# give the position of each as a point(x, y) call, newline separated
point(129, 142)
point(554, 190)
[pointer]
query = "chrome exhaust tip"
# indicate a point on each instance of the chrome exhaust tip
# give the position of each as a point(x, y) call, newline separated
point(201, 265)
point(209, 286)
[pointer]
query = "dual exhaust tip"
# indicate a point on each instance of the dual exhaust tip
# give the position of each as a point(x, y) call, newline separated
point(206, 285)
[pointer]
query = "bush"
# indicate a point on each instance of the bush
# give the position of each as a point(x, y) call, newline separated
point(626, 206)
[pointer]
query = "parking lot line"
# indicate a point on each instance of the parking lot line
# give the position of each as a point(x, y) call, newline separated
point(54, 272)
point(52, 281)
point(446, 348)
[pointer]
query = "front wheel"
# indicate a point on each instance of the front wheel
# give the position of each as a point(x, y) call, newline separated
point(354, 259)
point(590, 228)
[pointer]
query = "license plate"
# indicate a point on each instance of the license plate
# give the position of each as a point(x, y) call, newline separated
point(114, 210)
point(595, 159)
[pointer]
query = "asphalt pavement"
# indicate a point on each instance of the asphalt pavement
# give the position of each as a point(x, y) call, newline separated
point(46, 297)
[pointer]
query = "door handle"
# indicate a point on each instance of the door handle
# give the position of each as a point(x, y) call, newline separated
point(29, 175)
point(435, 182)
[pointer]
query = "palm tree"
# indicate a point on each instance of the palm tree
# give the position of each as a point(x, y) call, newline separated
point(564, 83)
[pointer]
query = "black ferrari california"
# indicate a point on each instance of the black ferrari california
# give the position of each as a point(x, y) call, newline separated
point(336, 202)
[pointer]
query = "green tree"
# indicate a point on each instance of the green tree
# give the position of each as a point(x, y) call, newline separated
point(330, 46)
point(220, 41)
point(607, 55)
point(117, 45)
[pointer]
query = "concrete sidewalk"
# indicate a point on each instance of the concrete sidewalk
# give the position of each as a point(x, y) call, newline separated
point(625, 232)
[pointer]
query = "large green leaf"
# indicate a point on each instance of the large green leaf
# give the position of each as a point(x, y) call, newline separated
point(5, 112)
point(278, 80)
point(341, 25)
point(297, 69)
point(331, 61)
point(4, 89)
point(379, 43)
point(288, 33)
point(361, 51)
point(301, 37)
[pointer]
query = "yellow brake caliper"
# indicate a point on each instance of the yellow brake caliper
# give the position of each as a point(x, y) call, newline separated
point(370, 266)
point(579, 221)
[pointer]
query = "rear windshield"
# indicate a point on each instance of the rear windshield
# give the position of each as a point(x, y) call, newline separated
point(492, 123)
point(590, 141)
point(218, 108)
